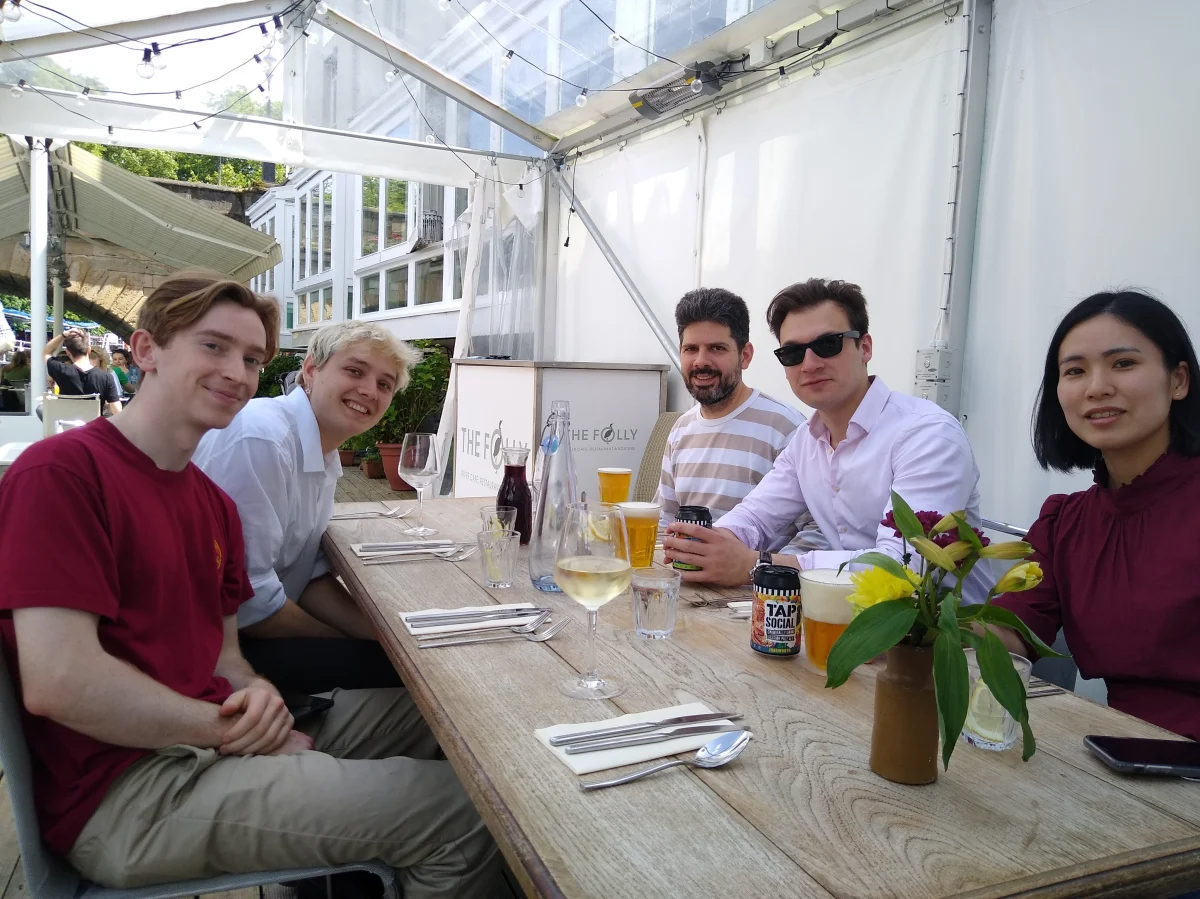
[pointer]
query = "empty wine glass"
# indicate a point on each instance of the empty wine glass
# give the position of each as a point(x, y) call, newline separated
point(592, 567)
point(420, 466)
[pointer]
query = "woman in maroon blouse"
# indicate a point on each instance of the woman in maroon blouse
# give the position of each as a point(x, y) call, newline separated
point(1122, 559)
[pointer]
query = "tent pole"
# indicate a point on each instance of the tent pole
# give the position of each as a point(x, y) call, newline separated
point(39, 233)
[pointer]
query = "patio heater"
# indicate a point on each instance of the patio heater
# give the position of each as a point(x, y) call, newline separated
point(701, 79)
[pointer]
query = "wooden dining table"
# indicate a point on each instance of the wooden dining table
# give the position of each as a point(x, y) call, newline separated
point(799, 813)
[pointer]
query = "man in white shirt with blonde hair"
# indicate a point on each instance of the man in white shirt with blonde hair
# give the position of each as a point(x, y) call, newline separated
point(278, 461)
point(864, 442)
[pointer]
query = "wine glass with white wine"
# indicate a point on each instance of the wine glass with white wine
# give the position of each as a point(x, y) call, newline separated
point(420, 466)
point(592, 567)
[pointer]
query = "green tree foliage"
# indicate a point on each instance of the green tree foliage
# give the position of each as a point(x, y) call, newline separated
point(270, 381)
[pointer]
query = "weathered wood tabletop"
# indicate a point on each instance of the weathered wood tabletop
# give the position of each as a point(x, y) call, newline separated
point(800, 813)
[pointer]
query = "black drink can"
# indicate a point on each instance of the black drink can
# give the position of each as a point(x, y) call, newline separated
point(692, 515)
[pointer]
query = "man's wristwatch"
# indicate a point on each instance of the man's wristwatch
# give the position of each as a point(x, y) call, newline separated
point(764, 558)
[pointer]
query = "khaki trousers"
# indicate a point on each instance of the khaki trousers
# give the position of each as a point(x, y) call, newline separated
point(377, 787)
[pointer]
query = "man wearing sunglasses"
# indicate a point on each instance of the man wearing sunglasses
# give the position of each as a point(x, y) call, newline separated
point(863, 442)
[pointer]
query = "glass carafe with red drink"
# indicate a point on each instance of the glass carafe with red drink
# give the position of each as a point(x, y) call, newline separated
point(514, 490)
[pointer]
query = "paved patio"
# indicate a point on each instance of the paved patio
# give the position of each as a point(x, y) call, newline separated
point(354, 487)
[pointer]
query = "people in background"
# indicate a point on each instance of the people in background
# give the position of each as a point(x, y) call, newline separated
point(120, 367)
point(80, 377)
point(1118, 559)
point(863, 442)
point(98, 356)
point(17, 370)
point(278, 461)
point(158, 753)
point(723, 446)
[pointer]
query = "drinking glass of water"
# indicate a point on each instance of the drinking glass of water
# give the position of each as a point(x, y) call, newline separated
point(420, 466)
point(988, 724)
point(655, 598)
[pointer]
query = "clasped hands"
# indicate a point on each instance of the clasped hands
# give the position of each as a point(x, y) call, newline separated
point(261, 723)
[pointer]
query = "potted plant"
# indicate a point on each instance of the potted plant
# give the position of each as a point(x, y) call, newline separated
point(372, 466)
point(919, 621)
point(423, 397)
point(346, 453)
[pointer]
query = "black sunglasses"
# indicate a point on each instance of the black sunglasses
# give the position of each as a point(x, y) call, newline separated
point(826, 346)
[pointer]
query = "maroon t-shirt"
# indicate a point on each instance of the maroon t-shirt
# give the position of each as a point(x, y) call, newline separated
point(1120, 580)
point(89, 522)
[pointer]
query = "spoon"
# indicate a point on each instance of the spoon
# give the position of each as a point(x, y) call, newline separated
point(715, 753)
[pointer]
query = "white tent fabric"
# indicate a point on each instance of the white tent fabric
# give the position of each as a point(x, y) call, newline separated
point(844, 175)
point(1090, 183)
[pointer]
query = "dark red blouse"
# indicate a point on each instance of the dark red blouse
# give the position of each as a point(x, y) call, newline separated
point(1122, 579)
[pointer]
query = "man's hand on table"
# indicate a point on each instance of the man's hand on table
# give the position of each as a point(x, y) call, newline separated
point(725, 561)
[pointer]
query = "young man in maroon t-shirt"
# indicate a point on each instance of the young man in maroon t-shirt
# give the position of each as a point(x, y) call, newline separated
point(159, 754)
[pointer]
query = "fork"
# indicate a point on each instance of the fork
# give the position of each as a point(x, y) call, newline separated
point(483, 631)
point(449, 555)
point(535, 637)
point(390, 513)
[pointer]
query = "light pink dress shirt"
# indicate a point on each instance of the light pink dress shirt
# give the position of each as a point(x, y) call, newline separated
point(894, 442)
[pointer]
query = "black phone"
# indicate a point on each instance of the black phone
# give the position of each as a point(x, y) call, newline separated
point(302, 706)
point(1129, 755)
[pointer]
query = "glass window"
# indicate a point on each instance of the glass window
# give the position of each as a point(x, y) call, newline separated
point(681, 23)
point(429, 280)
point(397, 213)
point(327, 302)
point(433, 203)
point(271, 272)
point(473, 130)
point(349, 303)
point(461, 198)
point(314, 306)
point(370, 294)
point(403, 131)
point(327, 224)
point(397, 288)
point(525, 86)
point(288, 316)
point(370, 216)
point(314, 234)
point(302, 310)
point(587, 58)
point(302, 243)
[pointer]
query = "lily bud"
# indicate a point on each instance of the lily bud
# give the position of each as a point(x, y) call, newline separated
point(948, 522)
point(933, 553)
point(1014, 549)
point(1023, 576)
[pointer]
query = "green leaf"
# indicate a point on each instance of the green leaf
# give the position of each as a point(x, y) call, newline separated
point(875, 630)
point(950, 679)
point(1001, 616)
point(996, 669)
point(966, 532)
point(907, 523)
point(878, 560)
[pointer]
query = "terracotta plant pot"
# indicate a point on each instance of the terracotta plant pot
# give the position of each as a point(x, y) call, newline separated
point(346, 456)
point(904, 738)
point(373, 468)
point(391, 465)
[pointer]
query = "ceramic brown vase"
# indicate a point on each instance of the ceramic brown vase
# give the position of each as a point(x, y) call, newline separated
point(904, 739)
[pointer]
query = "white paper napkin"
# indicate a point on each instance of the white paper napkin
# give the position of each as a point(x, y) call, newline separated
point(587, 762)
point(420, 631)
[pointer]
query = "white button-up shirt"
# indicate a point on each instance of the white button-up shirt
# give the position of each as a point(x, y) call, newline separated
point(269, 462)
point(894, 442)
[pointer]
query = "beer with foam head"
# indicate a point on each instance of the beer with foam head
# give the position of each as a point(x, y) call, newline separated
point(614, 485)
point(827, 613)
point(641, 521)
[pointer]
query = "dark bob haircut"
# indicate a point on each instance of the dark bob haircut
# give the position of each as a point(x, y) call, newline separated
point(714, 304)
point(1054, 443)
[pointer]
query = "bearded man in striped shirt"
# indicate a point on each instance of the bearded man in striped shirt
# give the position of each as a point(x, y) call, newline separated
point(724, 445)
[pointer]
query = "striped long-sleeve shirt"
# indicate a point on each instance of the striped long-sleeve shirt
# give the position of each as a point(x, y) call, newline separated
point(715, 462)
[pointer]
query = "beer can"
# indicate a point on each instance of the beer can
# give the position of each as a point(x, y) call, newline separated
point(692, 515)
point(775, 617)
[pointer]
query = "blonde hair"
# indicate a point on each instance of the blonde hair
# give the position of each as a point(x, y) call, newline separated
point(331, 338)
point(102, 360)
point(185, 298)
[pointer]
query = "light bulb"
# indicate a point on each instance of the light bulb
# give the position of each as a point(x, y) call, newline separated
point(311, 37)
point(197, 126)
point(506, 60)
point(112, 138)
point(178, 99)
point(443, 5)
point(18, 88)
point(581, 100)
point(280, 31)
point(81, 98)
point(697, 86)
point(783, 77)
point(390, 75)
point(614, 40)
point(12, 11)
point(156, 58)
point(431, 138)
point(321, 8)
point(268, 40)
point(145, 68)
point(268, 62)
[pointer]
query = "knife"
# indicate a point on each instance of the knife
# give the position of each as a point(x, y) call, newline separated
point(642, 739)
point(374, 548)
point(622, 730)
point(425, 619)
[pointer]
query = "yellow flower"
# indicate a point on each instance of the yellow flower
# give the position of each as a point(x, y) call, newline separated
point(1014, 549)
point(1024, 576)
point(876, 585)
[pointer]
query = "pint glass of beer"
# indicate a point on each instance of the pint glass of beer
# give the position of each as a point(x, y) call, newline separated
point(826, 611)
point(614, 485)
point(641, 521)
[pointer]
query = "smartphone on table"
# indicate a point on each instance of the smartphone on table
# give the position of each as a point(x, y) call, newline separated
point(1131, 755)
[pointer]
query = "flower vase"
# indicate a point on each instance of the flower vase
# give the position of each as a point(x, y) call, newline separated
point(904, 738)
